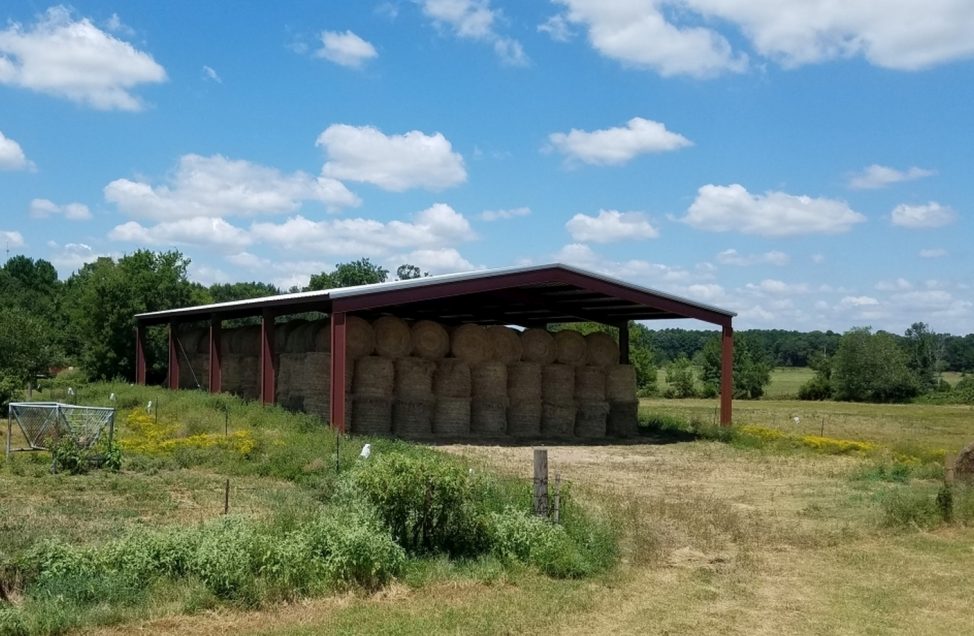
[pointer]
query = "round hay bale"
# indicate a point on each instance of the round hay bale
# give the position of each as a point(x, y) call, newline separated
point(469, 343)
point(188, 338)
point(620, 383)
point(524, 418)
point(558, 383)
point(393, 338)
point(430, 340)
point(373, 377)
point(246, 341)
point(964, 465)
point(537, 345)
point(590, 384)
point(451, 417)
point(558, 420)
point(488, 417)
point(226, 337)
point(504, 344)
point(570, 347)
point(524, 381)
point(601, 349)
point(591, 419)
point(414, 378)
point(623, 420)
point(322, 341)
point(283, 331)
point(371, 415)
point(489, 380)
point(301, 337)
point(452, 378)
point(359, 338)
point(413, 419)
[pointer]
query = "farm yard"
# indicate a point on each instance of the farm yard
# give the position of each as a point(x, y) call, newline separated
point(745, 533)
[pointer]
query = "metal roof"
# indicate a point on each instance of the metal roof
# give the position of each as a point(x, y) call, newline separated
point(527, 296)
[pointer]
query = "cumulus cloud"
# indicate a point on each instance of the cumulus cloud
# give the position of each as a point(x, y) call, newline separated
point(858, 301)
point(71, 257)
point(12, 156)
point(557, 28)
point(733, 257)
point(11, 239)
point(201, 230)
point(475, 20)
point(638, 34)
point(44, 208)
point(511, 213)
point(876, 176)
point(616, 146)
point(443, 260)
point(733, 208)
point(216, 186)
point(392, 162)
point(923, 216)
point(76, 60)
point(777, 287)
point(438, 226)
point(610, 226)
point(646, 272)
point(345, 49)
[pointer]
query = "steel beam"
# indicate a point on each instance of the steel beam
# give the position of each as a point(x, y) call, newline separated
point(337, 402)
point(726, 375)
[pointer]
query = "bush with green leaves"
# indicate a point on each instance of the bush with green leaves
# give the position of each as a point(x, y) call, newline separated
point(517, 535)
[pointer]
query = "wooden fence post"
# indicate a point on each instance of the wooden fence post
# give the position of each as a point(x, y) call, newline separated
point(541, 482)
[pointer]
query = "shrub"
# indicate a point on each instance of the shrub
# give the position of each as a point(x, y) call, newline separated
point(517, 535)
point(909, 507)
point(68, 456)
point(818, 388)
point(429, 504)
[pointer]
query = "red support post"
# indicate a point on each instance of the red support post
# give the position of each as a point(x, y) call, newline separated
point(140, 354)
point(173, 358)
point(216, 356)
point(267, 366)
point(624, 342)
point(338, 371)
point(726, 375)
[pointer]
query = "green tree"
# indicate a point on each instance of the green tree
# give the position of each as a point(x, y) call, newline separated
point(752, 371)
point(870, 367)
point(360, 272)
point(226, 292)
point(28, 350)
point(103, 297)
point(924, 353)
point(408, 272)
point(680, 378)
point(820, 386)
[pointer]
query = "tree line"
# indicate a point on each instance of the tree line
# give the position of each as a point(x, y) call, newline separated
point(86, 321)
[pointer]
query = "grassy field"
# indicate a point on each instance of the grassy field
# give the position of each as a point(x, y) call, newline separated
point(713, 536)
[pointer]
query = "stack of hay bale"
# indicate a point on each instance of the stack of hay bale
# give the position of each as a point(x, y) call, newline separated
point(193, 351)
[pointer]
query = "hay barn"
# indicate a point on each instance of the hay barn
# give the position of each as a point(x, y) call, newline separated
point(456, 356)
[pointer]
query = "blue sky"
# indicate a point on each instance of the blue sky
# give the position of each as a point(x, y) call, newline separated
point(805, 163)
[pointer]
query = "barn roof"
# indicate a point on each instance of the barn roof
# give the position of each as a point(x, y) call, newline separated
point(527, 296)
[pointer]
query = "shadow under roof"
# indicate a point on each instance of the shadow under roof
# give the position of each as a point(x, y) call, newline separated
point(526, 296)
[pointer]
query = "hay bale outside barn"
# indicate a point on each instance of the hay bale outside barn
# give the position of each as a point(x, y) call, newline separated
point(620, 383)
point(524, 381)
point(537, 345)
point(601, 349)
point(591, 419)
point(623, 419)
point(414, 379)
point(504, 344)
point(570, 347)
point(393, 338)
point(430, 340)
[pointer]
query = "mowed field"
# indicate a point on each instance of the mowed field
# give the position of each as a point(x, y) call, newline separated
point(715, 538)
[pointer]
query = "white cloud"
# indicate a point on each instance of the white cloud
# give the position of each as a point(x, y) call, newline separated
point(475, 20)
point(557, 27)
point(610, 226)
point(511, 213)
point(216, 187)
point(733, 257)
point(444, 260)
point(777, 287)
point(75, 59)
point(876, 176)
point(932, 253)
point(900, 284)
point(733, 208)
point(858, 301)
point(674, 37)
point(71, 256)
point(209, 73)
point(345, 49)
point(11, 239)
point(12, 156)
point(653, 274)
point(616, 146)
point(637, 33)
point(818, 259)
point(392, 162)
point(44, 208)
point(923, 216)
point(201, 230)
point(438, 226)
